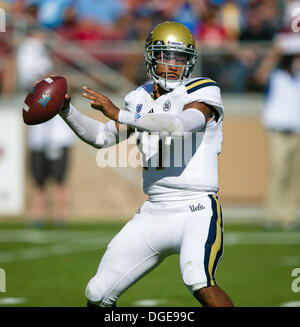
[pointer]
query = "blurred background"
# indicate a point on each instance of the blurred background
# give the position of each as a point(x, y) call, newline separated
point(100, 44)
point(58, 207)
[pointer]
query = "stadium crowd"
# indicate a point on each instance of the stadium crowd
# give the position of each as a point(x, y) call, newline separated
point(231, 34)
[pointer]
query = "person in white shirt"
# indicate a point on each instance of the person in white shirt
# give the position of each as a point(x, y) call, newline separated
point(49, 146)
point(281, 117)
point(49, 143)
point(182, 214)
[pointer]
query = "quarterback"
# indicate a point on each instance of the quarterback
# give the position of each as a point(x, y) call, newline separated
point(182, 214)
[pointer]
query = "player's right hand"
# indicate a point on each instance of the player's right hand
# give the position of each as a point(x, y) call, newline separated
point(67, 98)
point(67, 102)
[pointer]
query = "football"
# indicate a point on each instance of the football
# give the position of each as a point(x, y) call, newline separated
point(45, 100)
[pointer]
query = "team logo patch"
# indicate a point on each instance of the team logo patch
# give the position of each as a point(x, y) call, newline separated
point(44, 100)
point(167, 106)
point(197, 207)
point(139, 107)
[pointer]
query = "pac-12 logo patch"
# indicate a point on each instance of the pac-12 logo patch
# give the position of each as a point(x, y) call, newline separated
point(139, 107)
point(167, 106)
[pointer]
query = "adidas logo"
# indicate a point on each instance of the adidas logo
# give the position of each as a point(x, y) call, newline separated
point(151, 111)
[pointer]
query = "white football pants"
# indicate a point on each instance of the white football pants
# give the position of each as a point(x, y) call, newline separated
point(192, 228)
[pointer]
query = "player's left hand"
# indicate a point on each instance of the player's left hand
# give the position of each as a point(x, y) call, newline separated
point(102, 103)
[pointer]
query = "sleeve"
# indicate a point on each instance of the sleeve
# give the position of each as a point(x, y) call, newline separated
point(187, 121)
point(204, 90)
point(129, 102)
point(90, 130)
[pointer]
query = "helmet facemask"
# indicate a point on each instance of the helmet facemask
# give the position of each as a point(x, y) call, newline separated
point(175, 55)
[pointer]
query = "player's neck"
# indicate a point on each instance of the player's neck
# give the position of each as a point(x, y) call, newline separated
point(158, 91)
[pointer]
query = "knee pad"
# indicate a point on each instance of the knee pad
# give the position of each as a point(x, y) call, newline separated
point(93, 291)
point(194, 278)
point(96, 294)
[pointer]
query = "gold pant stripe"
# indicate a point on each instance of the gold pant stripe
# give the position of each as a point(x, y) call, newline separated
point(217, 244)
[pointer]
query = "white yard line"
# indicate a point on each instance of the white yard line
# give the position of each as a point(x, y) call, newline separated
point(149, 302)
point(67, 242)
point(12, 300)
point(44, 236)
point(290, 304)
point(51, 236)
point(290, 261)
point(262, 238)
point(39, 252)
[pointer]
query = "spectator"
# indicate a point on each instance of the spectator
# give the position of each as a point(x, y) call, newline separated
point(248, 52)
point(257, 27)
point(47, 13)
point(164, 9)
point(272, 18)
point(288, 18)
point(7, 65)
point(212, 36)
point(143, 19)
point(51, 14)
point(49, 151)
point(33, 59)
point(103, 12)
point(49, 143)
point(210, 32)
point(186, 15)
point(96, 20)
point(281, 118)
point(231, 17)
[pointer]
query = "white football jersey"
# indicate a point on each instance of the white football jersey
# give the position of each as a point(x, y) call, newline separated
point(176, 167)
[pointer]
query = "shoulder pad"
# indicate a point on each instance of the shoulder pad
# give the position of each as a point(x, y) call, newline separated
point(136, 97)
point(149, 87)
point(198, 83)
point(204, 90)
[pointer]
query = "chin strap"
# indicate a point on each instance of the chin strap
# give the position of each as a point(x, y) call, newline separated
point(168, 85)
point(164, 83)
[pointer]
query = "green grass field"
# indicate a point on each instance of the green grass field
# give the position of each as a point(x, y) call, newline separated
point(51, 267)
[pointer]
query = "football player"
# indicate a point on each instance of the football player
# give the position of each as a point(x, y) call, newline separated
point(182, 214)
